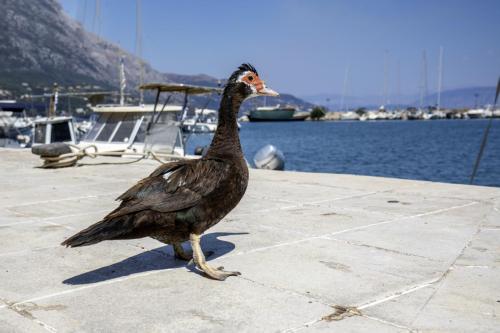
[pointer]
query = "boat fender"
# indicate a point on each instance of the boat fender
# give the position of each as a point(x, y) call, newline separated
point(201, 150)
point(269, 158)
point(51, 149)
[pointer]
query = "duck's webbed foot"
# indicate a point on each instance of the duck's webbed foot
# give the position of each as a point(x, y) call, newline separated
point(179, 252)
point(199, 259)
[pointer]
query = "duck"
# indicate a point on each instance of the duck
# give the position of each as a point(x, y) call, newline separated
point(181, 200)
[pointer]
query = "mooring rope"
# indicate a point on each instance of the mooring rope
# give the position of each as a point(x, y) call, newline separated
point(71, 159)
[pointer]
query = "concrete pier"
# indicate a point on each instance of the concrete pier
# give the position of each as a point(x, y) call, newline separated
point(317, 253)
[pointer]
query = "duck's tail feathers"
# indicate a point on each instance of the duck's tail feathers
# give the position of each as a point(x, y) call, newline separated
point(104, 230)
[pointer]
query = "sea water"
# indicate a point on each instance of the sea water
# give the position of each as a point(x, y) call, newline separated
point(435, 150)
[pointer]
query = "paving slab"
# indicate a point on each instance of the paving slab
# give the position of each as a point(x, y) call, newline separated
point(197, 306)
point(356, 324)
point(404, 255)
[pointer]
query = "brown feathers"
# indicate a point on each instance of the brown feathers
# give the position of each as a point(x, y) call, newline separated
point(182, 197)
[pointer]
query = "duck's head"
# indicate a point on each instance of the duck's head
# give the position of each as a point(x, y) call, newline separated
point(246, 82)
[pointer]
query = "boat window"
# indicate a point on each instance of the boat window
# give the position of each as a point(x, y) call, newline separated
point(109, 127)
point(124, 132)
point(40, 130)
point(99, 123)
point(60, 132)
point(141, 133)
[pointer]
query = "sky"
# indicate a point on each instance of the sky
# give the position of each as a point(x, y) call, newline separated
point(304, 47)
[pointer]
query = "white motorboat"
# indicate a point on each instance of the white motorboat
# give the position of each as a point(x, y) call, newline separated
point(124, 128)
point(414, 114)
point(476, 113)
point(15, 126)
point(143, 129)
point(203, 121)
point(435, 114)
point(350, 115)
point(372, 115)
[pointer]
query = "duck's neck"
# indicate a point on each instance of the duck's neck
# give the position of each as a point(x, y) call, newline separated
point(226, 141)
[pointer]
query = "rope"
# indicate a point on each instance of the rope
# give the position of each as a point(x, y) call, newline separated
point(71, 159)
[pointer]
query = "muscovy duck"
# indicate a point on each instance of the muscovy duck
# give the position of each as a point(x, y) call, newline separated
point(180, 200)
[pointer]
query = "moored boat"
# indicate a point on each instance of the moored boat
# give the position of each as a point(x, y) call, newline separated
point(350, 115)
point(124, 128)
point(276, 113)
point(475, 113)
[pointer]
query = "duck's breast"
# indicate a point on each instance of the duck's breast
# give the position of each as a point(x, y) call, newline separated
point(222, 200)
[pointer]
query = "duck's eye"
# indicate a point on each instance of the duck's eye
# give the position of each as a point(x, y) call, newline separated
point(250, 78)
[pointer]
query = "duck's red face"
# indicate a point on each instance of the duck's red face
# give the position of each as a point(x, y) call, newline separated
point(257, 85)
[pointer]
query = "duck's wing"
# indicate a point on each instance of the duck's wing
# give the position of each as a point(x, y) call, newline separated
point(173, 186)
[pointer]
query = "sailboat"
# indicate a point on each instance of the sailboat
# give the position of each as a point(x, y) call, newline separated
point(438, 113)
point(345, 114)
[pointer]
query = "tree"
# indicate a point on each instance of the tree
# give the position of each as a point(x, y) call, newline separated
point(318, 112)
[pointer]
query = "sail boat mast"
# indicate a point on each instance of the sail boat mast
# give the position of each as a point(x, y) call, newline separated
point(397, 99)
point(440, 77)
point(344, 89)
point(123, 82)
point(386, 79)
point(423, 78)
point(138, 47)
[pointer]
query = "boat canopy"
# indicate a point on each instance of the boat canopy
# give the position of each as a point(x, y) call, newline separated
point(180, 87)
point(102, 108)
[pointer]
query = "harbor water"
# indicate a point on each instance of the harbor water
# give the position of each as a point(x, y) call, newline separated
point(434, 150)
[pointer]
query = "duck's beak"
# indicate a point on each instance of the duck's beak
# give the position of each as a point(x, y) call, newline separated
point(265, 91)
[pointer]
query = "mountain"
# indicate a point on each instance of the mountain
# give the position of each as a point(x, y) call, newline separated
point(40, 45)
point(337, 102)
point(463, 97)
point(452, 98)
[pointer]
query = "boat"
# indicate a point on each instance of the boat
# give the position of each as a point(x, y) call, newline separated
point(414, 114)
point(350, 115)
point(203, 121)
point(372, 115)
point(54, 128)
point(476, 113)
point(123, 128)
point(396, 115)
point(15, 125)
point(488, 112)
point(276, 113)
point(438, 114)
point(495, 113)
point(126, 131)
point(131, 130)
point(434, 114)
point(380, 114)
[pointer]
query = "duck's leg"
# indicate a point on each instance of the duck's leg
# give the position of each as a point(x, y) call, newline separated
point(199, 259)
point(180, 253)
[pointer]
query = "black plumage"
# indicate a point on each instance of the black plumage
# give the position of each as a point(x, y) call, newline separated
point(181, 200)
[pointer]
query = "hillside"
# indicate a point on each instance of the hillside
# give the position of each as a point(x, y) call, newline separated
point(464, 97)
point(40, 45)
point(453, 98)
